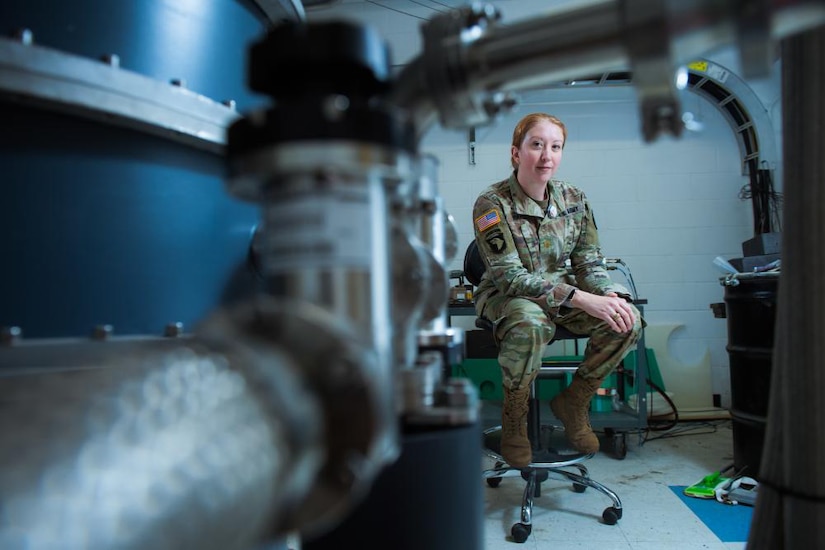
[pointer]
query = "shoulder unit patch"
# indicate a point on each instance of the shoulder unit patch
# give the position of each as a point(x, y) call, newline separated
point(496, 241)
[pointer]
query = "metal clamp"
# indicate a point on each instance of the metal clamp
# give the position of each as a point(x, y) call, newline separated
point(648, 46)
point(447, 40)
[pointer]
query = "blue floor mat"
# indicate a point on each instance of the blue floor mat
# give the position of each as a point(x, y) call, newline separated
point(729, 523)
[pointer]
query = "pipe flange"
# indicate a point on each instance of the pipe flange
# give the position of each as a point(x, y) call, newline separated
point(648, 46)
point(48, 78)
point(448, 71)
point(753, 37)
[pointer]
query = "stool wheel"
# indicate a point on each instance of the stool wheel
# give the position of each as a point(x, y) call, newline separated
point(495, 481)
point(618, 441)
point(611, 515)
point(579, 487)
point(520, 532)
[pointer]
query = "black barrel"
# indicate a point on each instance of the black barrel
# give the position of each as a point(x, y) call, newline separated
point(431, 498)
point(750, 303)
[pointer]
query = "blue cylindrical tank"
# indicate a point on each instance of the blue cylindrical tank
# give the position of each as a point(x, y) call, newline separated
point(201, 43)
point(105, 224)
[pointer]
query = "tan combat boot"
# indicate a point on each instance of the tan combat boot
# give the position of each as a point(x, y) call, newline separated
point(571, 406)
point(515, 447)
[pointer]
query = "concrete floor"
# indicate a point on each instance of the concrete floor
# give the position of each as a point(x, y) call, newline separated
point(653, 517)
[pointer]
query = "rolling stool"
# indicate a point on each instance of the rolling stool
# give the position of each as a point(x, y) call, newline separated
point(548, 442)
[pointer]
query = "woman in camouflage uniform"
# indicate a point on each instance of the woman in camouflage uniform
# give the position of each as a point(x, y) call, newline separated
point(544, 268)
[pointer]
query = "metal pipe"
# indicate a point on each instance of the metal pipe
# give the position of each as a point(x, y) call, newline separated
point(325, 162)
point(155, 449)
point(437, 233)
point(269, 419)
point(470, 62)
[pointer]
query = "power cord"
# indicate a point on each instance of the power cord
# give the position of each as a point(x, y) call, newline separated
point(667, 425)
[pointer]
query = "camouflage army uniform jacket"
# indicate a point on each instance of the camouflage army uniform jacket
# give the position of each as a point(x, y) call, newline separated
point(526, 250)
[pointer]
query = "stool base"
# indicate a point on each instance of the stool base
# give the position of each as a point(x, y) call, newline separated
point(551, 457)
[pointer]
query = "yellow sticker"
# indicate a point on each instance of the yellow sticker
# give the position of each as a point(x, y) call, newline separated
point(701, 66)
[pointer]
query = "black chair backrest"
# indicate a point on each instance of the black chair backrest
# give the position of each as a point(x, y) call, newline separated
point(474, 266)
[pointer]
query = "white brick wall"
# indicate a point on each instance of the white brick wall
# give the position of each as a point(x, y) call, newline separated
point(666, 208)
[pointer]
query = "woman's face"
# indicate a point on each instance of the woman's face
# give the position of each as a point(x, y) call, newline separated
point(539, 154)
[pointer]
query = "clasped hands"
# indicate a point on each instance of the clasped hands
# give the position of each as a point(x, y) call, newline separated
point(611, 307)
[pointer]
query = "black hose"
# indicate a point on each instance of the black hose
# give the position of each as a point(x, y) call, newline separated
point(670, 424)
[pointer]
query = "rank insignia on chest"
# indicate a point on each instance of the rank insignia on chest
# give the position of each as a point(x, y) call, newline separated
point(487, 220)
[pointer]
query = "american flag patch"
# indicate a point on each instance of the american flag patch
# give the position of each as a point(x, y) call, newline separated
point(487, 220)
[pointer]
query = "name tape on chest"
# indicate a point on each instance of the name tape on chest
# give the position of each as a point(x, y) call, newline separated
point(488, 220)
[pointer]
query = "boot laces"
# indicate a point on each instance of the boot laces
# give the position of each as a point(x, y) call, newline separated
point(514, 419)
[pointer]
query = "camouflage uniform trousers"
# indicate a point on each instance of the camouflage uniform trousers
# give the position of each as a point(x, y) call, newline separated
point(523, 330)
